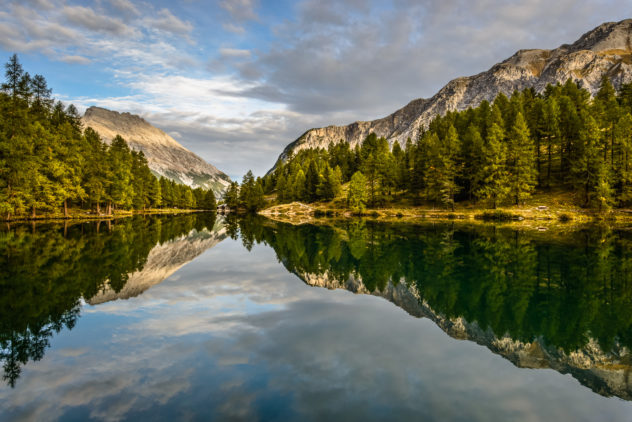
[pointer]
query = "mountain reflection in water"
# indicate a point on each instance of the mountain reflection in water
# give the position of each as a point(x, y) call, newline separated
point(49, 269)
point(237, 335)
point(538, 299)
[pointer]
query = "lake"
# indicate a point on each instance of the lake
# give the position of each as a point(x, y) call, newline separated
point(198, 317)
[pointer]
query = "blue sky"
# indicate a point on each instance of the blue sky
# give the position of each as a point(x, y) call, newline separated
point(237, 80)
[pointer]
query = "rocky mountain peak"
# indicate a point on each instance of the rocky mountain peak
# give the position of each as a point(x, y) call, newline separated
point(605, 50)
point(606, 37)
point(165, 156)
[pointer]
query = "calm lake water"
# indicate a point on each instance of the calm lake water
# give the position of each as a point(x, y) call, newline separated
point(197, 318)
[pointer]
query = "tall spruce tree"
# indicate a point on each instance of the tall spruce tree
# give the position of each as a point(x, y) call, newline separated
point(522, 170)
point(493, 174)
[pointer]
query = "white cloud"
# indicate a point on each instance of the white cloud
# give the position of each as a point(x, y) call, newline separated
point(240, 10)
point(234, 52)
point(166, 21)
point(126, 7)
point(75, 59)
point(89, 19)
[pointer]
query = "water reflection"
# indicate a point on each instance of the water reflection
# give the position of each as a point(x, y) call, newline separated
point(234, 335)
point(49, 269)
point(541, 300)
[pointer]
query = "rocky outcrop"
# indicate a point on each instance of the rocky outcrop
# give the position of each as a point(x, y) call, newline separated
point(605, 372)
point(165, 156)
point(164, 260)
point(606, 50)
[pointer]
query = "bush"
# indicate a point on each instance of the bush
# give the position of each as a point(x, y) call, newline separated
point(564, 218)
point(497, 215)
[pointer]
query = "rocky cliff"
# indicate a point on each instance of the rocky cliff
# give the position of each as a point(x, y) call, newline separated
point(164, 260)
point(606, 50)
point(166, 157)
point(605, 372)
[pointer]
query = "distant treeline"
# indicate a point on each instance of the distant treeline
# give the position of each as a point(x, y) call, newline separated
point(48, 162)
point(499, 153)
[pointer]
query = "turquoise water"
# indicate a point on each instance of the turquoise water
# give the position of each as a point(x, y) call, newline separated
point(198, 318)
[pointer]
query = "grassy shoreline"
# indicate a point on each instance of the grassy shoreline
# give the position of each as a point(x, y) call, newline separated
point(536, 214)
point(83, 215)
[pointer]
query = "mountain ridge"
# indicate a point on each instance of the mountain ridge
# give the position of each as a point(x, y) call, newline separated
point(604, 50)
point(165, 156)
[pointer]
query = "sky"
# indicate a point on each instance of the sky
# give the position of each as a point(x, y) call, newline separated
point(235, 81)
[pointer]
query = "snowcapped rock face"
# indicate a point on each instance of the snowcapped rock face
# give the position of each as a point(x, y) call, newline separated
point(606, 50)
point(166, 157)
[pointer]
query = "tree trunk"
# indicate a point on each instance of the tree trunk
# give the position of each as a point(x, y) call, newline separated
point(98, 208)
point(109, 209)
point(33, 211)
point(66, 208)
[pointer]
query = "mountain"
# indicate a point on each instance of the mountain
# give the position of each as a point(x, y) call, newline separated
point(164, 260)
point(606, 50)
point(605, 373)
point(166, 157)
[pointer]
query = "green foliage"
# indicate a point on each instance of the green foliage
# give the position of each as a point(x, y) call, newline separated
point(49, 270)
point(48, 161)
point(357, 195)
point(497, 153)
point(560, 292)
point(521, 161)
point(251, 193)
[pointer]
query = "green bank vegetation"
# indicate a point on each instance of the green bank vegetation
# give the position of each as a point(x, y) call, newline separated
point(558, 144)
point(51, 165)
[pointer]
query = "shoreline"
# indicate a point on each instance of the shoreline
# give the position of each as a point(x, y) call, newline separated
point(540, 217)
point(86, 216)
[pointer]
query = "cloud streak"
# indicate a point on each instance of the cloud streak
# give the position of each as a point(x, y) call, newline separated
point(243, 72)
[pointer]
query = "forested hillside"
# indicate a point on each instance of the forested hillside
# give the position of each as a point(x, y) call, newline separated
point(560, 140)
point(48, 161)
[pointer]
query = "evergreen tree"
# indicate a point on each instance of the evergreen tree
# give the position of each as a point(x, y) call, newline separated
point(312, 180)
point(493, 173)
point(251, 193)
point(121, 190)
point(357, 195)
point(589, 172)
point(209, 202)
point(521, 158)
point(442, 167)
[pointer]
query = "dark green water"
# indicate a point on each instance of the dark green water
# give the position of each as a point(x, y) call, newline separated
point(193, 317)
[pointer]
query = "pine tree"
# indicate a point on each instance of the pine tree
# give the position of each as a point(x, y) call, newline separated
point(493, 173)
point(281, 187)
point(121, 190)
point(442, 168)
point(312, 179)
point(473, 146)
point(325, 189)
point(231, 197)
point(589, 173)
point(521, 158)
point(209, 203)
point(298, 187)
point(357, 195)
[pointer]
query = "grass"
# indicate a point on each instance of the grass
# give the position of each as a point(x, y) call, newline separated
point(81, 214)
point(543, 210)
